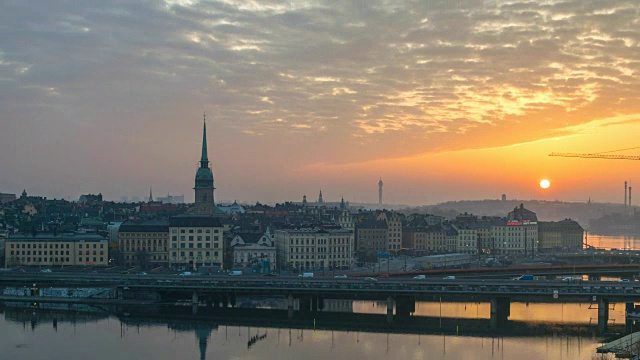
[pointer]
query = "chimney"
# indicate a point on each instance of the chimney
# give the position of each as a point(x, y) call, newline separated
point(629, 196)
point(625, 194)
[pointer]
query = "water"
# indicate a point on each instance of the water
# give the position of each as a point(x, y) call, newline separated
point(608, 242)
point(88, 333)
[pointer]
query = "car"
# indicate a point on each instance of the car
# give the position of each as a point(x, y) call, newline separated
point(235, 272)
point(370, 279)
point(449, 278)
point(306, 275)
point(142, 273)
point(420, 277)
point(570, 279)
point(340, 276)
point(185, 273)
point(270, 274)
point(624, 280)
point(45, 270)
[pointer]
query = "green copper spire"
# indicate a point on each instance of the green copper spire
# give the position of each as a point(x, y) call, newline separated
point(204, 160)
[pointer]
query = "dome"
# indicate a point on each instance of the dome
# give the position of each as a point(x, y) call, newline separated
point(204, 174)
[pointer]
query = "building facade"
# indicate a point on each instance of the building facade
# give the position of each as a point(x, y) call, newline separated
point(48, 249)
point(371, 237)
point(314, 249)
point(565, 235)
point(467, 240)
point(196, 241)
point(394, 229)
point(254, 250)
point(144, 244)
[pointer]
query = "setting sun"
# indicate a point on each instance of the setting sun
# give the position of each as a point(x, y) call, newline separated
point(545, 183)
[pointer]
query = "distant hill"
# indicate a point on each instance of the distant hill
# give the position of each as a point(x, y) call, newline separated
point(546, 210)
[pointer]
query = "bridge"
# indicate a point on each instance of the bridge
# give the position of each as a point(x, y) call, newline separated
point(594, 271)
point(399, 293)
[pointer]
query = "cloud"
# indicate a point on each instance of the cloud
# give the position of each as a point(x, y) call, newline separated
point(365, 79)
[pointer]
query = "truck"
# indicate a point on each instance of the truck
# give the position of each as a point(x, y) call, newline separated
point(235, 272)
point(306, 275)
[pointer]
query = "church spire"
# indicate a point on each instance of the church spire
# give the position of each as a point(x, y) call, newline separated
point(204, 160)
point(150, 194)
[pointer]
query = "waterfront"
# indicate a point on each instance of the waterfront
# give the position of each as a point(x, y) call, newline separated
point(87, 332)
point(608, 242)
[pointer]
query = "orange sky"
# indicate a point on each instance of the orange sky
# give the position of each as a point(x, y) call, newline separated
point(443, 101)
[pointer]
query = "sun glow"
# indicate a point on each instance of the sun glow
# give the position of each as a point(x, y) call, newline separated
point(545, 184)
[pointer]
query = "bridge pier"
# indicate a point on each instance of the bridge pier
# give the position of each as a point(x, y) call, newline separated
point(314, 303)
point(290, 306)
point(305, 305)
point(232, 299)
point(629, 307)
point(390, 309)
point(320, 303)
point(225, 301)
point(603, 315)
point(404, 306)
point(500, 311)
point(194, 303)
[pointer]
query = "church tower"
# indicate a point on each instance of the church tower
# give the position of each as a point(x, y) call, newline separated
point(204, 176)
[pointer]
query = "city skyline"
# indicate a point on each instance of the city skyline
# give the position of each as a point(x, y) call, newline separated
point(444, 102)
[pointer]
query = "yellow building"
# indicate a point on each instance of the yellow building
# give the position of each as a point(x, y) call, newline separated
point(314, 249)
point(196, 241)
point(394, 229)
point(560, 235)
point(144, 243)
point(46, 249)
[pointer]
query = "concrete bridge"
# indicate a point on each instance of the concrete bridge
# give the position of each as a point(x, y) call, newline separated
point(400, 294)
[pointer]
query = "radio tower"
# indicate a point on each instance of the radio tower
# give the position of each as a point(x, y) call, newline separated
point(380, 192)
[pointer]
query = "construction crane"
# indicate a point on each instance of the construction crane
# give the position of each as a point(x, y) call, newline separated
point(602, 155)
point(597, 156)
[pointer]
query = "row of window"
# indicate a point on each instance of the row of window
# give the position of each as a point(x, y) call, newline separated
point(144, 248)
point(190, 254)
point(336, 241)
point(29, 259)
point(197, 231)
point(191, 245)
point(49, 252)
point(137, 241)
point(191, 238)
point(51, 246)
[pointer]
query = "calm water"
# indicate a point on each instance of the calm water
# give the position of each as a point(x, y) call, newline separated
point(607, 242)
point(91, 334)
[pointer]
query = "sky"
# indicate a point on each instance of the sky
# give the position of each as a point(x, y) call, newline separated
point(443, 100)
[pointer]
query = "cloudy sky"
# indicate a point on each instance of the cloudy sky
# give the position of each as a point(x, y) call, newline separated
point(445, 100)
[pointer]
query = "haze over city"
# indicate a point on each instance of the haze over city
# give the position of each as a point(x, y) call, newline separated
point(442, 100)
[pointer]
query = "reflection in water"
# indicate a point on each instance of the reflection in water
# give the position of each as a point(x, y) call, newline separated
point(607, 242)
point(169, 333)
point(542, 312)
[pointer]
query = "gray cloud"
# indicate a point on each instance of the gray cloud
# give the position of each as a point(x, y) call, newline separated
point(350, 81)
